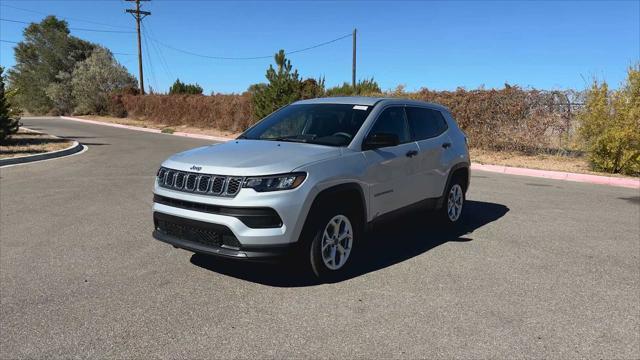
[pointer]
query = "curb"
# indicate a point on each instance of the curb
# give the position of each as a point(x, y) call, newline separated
point(546, 174)
point(560, 175)
point(155, 131)
point(74, 148)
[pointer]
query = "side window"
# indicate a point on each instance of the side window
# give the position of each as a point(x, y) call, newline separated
point(425, 123)
point(392, 121)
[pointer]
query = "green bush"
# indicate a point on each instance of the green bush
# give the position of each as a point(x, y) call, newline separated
point(179, 87)
point(610, 126)
point(95, 79)
point(9, 120)
point(366, 87)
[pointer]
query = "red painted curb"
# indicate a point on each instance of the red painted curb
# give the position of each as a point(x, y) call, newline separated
point(547, 174)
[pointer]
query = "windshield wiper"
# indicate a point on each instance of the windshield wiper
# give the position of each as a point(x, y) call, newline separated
point(285, 138)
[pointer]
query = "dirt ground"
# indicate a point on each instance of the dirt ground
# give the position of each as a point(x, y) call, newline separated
point(27, 142)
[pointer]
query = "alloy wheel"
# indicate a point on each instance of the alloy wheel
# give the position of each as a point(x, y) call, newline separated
point(454, 202)
point(337, 240)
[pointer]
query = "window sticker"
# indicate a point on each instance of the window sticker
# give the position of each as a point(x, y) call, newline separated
point(360, 107)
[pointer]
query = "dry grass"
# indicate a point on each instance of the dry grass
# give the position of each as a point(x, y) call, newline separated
point(30, 143)
point(232, 113)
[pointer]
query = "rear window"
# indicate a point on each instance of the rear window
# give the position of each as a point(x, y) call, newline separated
point(425, 123)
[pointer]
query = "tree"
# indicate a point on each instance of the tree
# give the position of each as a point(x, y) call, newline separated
point(46, 56)
point(283, 87)
point(94, 79)
point(9, 120)
point(363, 87)
point(179, 87)
point(610, 126)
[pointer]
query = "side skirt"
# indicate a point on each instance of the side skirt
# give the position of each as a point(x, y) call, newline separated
point(426, 204)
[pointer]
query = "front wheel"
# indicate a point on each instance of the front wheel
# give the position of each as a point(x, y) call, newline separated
point(332, 245)
point(454, 202)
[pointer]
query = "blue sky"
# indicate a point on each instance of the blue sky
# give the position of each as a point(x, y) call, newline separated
point(434, 44)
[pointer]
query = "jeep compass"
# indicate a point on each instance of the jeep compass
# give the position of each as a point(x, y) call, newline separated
point(308, 180)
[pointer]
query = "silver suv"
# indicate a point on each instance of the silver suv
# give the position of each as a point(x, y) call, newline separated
point(309, 179)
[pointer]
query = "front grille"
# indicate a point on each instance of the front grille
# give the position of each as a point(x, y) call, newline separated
point(217, 184)
point(191, 182)
point(199, 183)
point(195, 231)
point(179, 181)
point(253, 217)
point(203, 183)
point(197, 235)
point(234, 186)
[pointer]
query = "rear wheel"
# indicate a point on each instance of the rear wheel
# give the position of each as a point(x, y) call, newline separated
point(454, 202)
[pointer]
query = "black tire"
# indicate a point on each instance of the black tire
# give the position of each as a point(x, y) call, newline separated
point(322, 217)
point(446, 215)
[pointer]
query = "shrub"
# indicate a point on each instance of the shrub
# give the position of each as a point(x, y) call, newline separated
point(179, 87)
point(610, 126)
point(224, 112)
point(94, 79)
point(312, 88)
point(115, 106)
point(511, 119)
point(9, 120)
point(366, 87)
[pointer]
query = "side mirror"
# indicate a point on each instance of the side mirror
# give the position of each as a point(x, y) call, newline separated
point(380, 140)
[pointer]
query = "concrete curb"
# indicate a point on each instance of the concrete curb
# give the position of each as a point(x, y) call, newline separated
point(74, 148)
point(547, 174)
point(155, 131)
point(559, 175)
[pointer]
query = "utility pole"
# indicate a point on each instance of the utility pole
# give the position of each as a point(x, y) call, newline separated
point(139, 15)
point(353, 65)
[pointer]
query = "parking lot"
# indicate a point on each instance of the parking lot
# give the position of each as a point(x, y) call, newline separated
point(540, 268)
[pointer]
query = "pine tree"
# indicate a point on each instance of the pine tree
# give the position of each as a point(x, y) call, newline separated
point(282, 89)
point(9, 123)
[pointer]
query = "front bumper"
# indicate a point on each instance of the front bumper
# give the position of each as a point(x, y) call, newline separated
point(212, 239)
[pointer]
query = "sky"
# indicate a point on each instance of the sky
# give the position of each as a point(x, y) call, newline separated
point(440, 45)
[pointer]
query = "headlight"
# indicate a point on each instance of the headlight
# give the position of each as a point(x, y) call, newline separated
point(275, 182)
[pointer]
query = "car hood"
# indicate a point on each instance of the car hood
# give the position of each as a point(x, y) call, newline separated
point(250, 157)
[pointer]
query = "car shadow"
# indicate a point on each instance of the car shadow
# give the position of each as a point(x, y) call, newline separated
point(389, 243)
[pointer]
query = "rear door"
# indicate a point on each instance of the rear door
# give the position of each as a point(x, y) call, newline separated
point(429, 130)
point(391, 171)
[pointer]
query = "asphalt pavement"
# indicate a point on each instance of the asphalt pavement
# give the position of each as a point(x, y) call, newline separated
point(539, 268)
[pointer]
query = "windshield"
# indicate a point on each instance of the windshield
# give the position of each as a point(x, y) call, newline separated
point(326, 124)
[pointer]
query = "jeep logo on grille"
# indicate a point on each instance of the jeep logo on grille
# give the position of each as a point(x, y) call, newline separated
point(196, 168)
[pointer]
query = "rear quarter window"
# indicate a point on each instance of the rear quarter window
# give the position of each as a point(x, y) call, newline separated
point(425, 123)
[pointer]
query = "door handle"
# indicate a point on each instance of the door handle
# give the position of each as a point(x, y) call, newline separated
point(412, 153)
point(446, 145)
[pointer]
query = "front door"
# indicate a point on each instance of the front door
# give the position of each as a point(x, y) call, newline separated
point(391, 171)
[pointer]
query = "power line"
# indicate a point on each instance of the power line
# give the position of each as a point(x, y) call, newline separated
point(75, 29)
point(250, 57)
point(9, 41)
point(146, 30)
point(64, 17)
